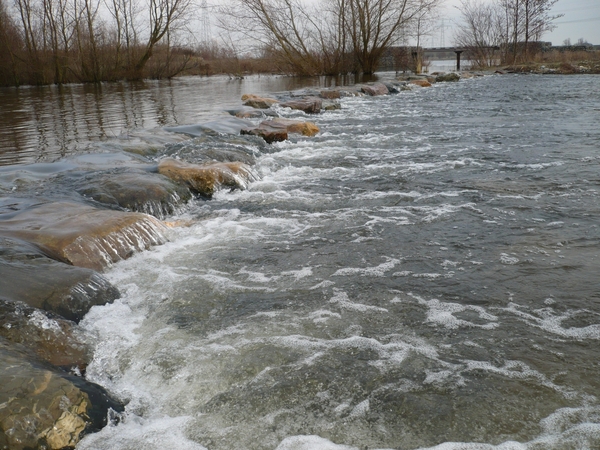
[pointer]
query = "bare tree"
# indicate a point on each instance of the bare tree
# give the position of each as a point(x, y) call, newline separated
point(164, 16)
point(374, 25)
point(123, 13)
point(363, 29)
point(481, 31)
point(10, 44)
point(537, 20)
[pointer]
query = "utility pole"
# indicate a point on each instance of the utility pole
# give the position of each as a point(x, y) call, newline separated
point(204, 24)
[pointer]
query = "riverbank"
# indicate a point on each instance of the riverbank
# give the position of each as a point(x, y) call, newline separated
point(589, 67)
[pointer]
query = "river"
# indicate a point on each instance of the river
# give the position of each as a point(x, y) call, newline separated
point(422, 273)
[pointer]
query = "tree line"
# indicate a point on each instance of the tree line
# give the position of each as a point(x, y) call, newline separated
point(503, 31)
point(60, 41)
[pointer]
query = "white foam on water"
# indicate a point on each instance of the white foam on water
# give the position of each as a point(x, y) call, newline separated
point(40, 320)
point(533, 166)
point(323, 284)
point(360, 410)
point(505, 258)
point(323, 315)
point(342, 300)
point(134, 433)
point(517, 370)
point(377, 271)
point(566, 428)
point(258, 277)
point(310, 443)
point(389, 355)
point(299, 274)
point(547, 320)
point(510, 445)
point(442, 313)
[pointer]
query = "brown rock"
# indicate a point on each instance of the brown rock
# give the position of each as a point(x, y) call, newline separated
point(53, 339)
point(28, 276)
point(258, 102)
point(269, 133)
point(41, 407)
point(375, 89)
point(310, 105)
point(330, 95)
point(82, 235)
point(422, 83)
point(208, 178)
point(295, 126)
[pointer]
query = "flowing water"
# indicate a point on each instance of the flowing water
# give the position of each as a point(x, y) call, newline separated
point(423, 272)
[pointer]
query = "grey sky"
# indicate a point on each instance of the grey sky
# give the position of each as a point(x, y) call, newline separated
point(581, 20)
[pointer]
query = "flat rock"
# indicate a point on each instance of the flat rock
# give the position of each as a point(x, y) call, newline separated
point(139, 191)
point(82, 235)
point(375, 89)
point(28, 276)
point(42, 407)
point(206, 179)
point(258, 102)
point(309, 105)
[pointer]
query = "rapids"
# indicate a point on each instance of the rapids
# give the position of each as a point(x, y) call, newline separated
point(423, 273)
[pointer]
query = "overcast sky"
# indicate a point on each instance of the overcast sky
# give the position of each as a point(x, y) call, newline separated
point(581, 19)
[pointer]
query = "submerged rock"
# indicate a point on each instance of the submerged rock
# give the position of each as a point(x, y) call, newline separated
point(209, 149)
point(310, 105)
point(206, 179)
point(41, 407)
point(247, 112)
point(28, 276)
point(255, 101)
point(139, 191)
point(82, 235)
point(51, 338)
point(375, 89)
point(223, 125)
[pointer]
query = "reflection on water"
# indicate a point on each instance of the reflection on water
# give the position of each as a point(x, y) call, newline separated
point(50, 122)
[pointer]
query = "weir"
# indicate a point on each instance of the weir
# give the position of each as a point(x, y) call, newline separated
point(403, 278)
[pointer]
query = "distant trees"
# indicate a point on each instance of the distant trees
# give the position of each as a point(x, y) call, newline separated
point(505, 28)
point(338, 36)
point(58, 41)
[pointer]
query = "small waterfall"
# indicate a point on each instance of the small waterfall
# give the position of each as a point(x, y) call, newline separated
point(98, 252)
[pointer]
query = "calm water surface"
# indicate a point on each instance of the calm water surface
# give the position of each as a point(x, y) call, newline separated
point(423, 273)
